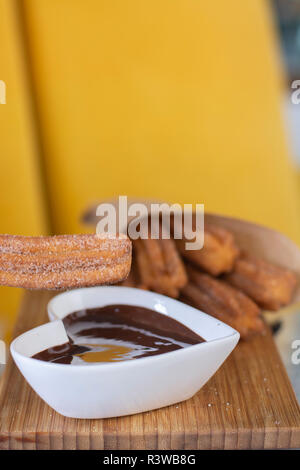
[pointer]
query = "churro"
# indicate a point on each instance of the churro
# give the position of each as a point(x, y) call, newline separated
point(160, 266)
point(268, 285)
point(134, 279)
point(63, 261)
point(222, 301)
point(218, 253)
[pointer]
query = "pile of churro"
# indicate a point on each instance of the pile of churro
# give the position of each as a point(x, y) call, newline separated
point(220, 279)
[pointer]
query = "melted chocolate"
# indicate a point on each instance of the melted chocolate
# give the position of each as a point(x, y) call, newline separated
point(118, 333)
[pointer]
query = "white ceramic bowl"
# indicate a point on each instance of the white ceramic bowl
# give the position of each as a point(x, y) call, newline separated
point(106, 390)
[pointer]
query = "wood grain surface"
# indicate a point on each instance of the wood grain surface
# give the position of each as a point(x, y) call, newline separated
point(248, 404)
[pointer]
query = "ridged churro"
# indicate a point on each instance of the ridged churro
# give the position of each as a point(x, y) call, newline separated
point(268, 285)
point(160, 266)
point(222, 301)
point(134, 279)
point(63, 261)
point(218, 253)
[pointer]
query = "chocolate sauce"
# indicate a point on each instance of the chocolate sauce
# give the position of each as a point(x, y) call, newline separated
point(118, 333)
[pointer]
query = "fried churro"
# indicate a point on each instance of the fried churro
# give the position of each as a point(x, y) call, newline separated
point(218, 253)
point(63, 261)
point(222, 301)
point(268, 285)
point(160, 266)
point(134, 279)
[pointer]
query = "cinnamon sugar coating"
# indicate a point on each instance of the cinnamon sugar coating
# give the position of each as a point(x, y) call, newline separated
point(63, 261)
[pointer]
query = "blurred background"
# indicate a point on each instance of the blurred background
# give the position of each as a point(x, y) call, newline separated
point(183, 100)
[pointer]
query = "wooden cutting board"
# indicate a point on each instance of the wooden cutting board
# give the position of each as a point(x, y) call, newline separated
point(248, 404)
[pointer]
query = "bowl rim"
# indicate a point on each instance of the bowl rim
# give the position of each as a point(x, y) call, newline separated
point(127, 363)
point(117, 364)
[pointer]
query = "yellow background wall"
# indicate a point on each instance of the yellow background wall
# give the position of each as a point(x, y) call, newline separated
point(22, 201)
point(172, 99)
point(177, 99)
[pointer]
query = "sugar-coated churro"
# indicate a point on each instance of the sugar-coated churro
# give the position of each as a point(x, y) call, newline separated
point(160, 266)
point(218, 253)
point(63, 261)
point(268, 285)
point(134, 279)
point(222, 301)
